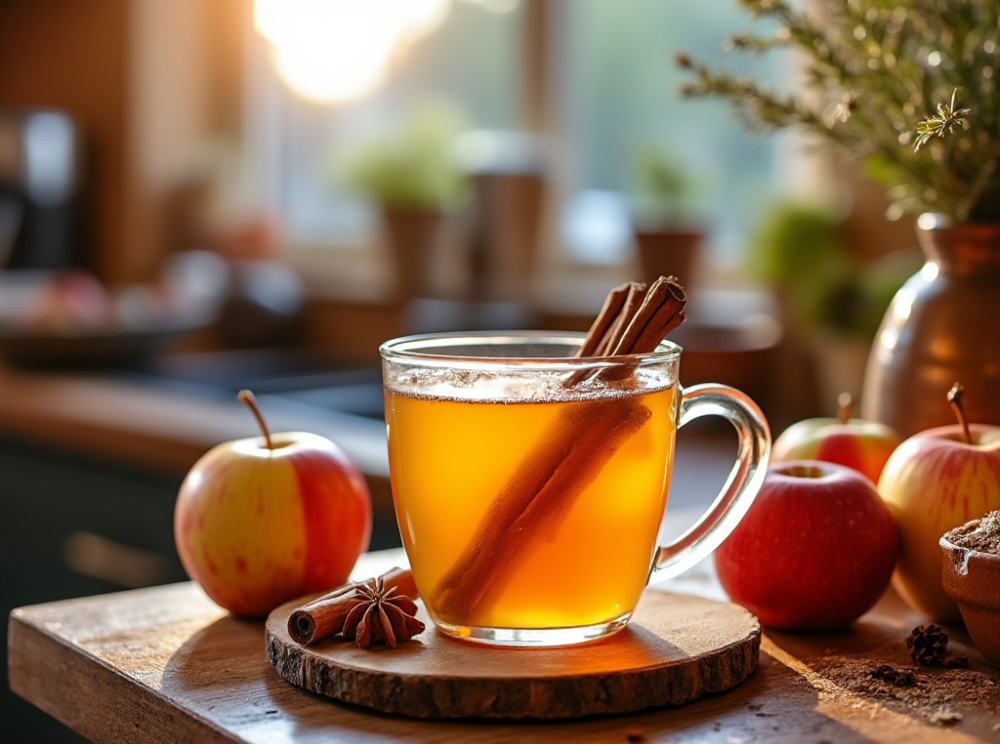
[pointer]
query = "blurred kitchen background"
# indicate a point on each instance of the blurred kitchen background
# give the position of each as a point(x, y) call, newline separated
point(202, 195)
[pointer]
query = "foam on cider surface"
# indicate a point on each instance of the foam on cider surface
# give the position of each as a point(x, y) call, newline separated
point(536, 386)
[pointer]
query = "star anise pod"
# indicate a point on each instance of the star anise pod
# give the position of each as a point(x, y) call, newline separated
point(928, 645)
point(381, 614)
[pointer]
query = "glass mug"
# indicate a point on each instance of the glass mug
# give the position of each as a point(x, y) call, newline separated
point(529, 484)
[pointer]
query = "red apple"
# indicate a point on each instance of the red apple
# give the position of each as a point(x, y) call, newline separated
point(862, 445)
point(814, 552)
point(934, 482)
point(260, 521)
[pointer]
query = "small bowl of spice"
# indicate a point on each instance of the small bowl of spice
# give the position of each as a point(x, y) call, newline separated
point(971, 575)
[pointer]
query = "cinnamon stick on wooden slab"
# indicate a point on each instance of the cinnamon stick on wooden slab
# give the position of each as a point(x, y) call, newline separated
point(569, 456)
point(325, 615)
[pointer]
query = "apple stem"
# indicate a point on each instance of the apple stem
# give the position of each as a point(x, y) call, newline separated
point(845, 407)
point(247, 397)
point(955, 398)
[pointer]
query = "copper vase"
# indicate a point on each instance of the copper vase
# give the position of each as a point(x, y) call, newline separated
point(942, 327)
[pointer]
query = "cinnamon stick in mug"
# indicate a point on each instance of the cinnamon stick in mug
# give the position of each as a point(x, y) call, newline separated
point(568, 457)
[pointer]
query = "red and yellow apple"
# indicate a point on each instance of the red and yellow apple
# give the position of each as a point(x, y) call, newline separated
point(815, 550)
point(934, 482)
point(862, 445)
point(263, 520)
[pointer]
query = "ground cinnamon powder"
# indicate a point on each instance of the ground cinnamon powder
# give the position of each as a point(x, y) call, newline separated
point(979, 534)
point(937, 695)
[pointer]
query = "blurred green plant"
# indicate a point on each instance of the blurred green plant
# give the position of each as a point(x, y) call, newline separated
point(665, 190)
point(799, 250)
point(908, 86)
point(415, 168)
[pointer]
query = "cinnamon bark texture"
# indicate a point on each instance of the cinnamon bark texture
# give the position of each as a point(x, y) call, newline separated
point(604, 321)
point(377, 609)
point(634, 320)
point(543, 488)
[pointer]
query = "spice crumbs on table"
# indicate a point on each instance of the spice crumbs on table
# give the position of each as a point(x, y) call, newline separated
point(931, 693)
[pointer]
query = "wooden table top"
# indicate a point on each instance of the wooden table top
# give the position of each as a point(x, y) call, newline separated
point(167, 665)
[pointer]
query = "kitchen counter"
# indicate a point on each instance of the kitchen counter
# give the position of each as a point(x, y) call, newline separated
point(165, 664)
point(167, 430)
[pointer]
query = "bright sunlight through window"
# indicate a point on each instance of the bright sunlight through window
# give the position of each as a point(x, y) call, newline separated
point(337, 50)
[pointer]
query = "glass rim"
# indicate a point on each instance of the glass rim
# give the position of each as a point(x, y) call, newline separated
point(413, 349)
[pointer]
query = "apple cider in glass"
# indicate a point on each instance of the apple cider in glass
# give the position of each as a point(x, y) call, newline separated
point(530, 481)
point(526, 505)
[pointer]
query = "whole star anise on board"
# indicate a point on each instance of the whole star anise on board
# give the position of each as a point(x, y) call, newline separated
point(381, 614)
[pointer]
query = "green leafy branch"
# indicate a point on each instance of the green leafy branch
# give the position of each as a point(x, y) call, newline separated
point(910, 87)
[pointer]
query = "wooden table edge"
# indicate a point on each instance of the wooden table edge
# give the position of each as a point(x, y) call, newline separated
point(106, 691)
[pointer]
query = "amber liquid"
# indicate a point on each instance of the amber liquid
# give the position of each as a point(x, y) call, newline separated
point(451, 459)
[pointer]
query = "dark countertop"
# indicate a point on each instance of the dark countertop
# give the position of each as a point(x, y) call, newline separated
point(167, 430)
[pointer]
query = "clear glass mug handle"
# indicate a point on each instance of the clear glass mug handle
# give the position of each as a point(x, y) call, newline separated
point(741, 486)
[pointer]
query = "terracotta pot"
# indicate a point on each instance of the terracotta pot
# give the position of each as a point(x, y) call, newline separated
point(972, 578)
point(943, 326)
point(668, 253)
point(414, 238)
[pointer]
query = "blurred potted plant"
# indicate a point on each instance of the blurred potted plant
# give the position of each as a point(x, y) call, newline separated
point(667, 235)
point(910, 88)
point(415, 177)
point(832, 298)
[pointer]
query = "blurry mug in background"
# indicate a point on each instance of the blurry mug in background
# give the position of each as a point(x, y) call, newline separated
point(530, 485)
point(40, 189)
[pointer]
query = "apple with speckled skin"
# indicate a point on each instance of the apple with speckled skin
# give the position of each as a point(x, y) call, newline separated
point(934, 482)
point(815, 551)
point(862, 445)
point(263, 520)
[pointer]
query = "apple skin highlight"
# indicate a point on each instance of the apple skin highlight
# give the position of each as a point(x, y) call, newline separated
point(256, 527)
point(862, 445)
point(935, 482)
point(815, 551)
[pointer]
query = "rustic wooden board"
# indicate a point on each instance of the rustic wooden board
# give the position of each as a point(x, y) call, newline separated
point(676, 648)
point(166, 665)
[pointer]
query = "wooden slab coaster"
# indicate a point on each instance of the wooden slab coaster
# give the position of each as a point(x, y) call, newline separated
point(676, 648)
